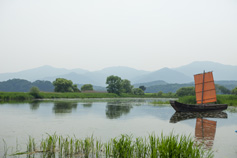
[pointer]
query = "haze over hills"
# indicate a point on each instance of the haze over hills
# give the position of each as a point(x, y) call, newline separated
point(165, 74)
point(183, 74)
point(220, 71)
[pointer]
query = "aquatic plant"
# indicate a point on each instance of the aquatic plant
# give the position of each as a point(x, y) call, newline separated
point(124, 146)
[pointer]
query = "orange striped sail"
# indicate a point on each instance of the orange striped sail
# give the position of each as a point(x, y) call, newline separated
point(205, 88)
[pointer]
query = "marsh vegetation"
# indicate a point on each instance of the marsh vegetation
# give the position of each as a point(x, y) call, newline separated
point(125, 146)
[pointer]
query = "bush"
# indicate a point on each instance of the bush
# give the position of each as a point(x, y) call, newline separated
point(34, 91)
point(234, 91)
point(185, 91)
point(138, 91)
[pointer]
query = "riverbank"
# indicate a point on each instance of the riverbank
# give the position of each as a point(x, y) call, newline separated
point(23, 96)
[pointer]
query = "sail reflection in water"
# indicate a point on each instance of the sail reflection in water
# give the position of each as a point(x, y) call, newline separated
point(205, 129)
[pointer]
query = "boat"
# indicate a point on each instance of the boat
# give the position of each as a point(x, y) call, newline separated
point(205, 96)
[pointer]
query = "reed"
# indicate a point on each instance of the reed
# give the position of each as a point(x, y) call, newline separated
point(124, 146)
point(231, 100)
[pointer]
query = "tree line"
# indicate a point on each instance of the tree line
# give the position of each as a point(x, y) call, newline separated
point(115, 84)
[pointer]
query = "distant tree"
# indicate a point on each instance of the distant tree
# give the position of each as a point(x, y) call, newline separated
point(114, 84)
point(126, 86)
point(143, 88)
point(34, 91)
point(223, 89)
point(185, 91)
point(63, 85)
point(87, 87)
point(234, 91)
point(46, 86)
point(75, 88)
point(159, 94)
point(138, 91)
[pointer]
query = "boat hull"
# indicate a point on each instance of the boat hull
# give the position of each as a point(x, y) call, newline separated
point(180, 107)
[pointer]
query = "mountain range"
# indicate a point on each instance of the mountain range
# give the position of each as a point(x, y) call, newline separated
point(180, 75)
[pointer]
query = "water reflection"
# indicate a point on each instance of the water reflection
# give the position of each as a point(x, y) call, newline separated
point(205, 129)
point(180, 116)
point(64, 107)
point(34, 105)
point(115, 110)
point(87, 105)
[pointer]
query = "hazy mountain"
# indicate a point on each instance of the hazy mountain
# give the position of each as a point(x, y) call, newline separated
point(183, 74)
point(165, 74)
point(148, 84)
point(38, 73)
point(74, 77)
point(121, 71)
point(220, 71)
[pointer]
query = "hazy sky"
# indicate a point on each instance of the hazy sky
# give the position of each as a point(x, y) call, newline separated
point(94, 34)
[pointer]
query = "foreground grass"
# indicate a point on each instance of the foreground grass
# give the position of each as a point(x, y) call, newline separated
point(231, 100)
point(122, 147)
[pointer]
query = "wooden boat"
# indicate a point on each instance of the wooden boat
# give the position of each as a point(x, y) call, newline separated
point(205, 96)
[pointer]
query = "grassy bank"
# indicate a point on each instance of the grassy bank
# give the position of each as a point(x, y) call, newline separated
point(124, 146)
point(23, 96)
point(231, 100)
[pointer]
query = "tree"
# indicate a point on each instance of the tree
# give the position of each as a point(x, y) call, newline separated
point(87, 87)
point(223, 89)
point(64, 85)
point(114, 84)
point(159, 94)
point(126, 86)
point(185, 91)
point(75, 88)
point(34, 91)
point(234, 91)
point(143, 88)
point(138, 91)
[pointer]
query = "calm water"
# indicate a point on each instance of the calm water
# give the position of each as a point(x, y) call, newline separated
point(107, 119)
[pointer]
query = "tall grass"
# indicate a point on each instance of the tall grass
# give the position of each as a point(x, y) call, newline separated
point(231, 100)
point(124, 146)
point(18, 96)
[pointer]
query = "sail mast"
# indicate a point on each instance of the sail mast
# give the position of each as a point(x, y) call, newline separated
point(203, 85)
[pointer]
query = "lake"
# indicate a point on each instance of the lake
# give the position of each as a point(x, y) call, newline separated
point(109, 118)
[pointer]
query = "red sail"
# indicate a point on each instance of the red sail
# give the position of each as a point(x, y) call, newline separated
point(207, 92)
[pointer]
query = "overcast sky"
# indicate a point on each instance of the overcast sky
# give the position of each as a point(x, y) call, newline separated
point(94, 34)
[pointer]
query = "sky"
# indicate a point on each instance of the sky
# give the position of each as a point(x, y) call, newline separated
point(95, 34)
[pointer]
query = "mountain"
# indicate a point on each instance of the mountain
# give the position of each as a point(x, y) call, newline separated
point(74, 77)
point(165, 74)
point(20, 85)
point(149, 84)
point(220, 71)
point(183, 74)
point(38, 73)
point(121, 71)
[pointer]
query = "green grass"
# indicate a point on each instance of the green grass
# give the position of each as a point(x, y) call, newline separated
point(18, 96)
point(23, 96)
point(231, 100)
point(124, 146)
